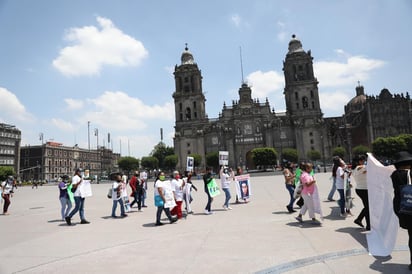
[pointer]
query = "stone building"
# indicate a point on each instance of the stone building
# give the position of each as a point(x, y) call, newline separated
point(248, 123)
point(51, 160)
point(10, 138)
point(369, 117)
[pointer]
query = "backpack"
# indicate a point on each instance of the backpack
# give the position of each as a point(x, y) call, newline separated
point(406, 197)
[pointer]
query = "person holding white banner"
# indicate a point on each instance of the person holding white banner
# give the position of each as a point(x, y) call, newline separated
point(77, 180)
point(400, 178)
point(164, 198)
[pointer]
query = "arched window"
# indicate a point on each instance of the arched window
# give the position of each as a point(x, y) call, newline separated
point(188, 114)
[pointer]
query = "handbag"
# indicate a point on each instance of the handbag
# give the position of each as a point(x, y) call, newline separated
point(298, 190)
point(406, 197)
point(109, 193)
point(158, 201)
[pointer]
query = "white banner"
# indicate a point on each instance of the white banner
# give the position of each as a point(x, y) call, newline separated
point(223, 158)
point(86, 189)
point(384, 222)
point(190, 163)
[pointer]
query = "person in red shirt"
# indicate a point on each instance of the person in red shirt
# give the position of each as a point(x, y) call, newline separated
point(137, 190)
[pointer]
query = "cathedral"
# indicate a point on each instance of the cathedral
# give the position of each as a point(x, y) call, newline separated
point(249, 123)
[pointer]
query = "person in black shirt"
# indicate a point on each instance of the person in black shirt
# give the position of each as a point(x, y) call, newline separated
point(206, 179)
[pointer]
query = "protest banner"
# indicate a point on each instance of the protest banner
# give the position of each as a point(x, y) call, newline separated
point(213, 188)
point(190, 162)
point(86, 189)
point(223, 158)
point(243, 186)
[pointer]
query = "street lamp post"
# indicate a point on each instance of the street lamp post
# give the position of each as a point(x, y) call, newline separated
point(323, 153)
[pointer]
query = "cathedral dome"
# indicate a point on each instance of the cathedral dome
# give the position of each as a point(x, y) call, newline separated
point(357, 102)
point(187, 57)
point(295, 45)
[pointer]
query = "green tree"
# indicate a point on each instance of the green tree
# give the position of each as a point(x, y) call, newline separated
point(407, 138)
point(5, 171)
point(264, 156)
point(170, 162)
point(128, 164)
point(160, 151)
point(314, 155)
point(149, 162)
point(290, 154)
point(197, 159)
point(339, 151)
point(360, 150)
point(212, 159)
point(388, 147)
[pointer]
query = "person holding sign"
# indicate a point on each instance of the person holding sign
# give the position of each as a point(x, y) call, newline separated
point(401, 178)
point(164, 198)
point(207, 178)
point(77, 180)
point(226, 175)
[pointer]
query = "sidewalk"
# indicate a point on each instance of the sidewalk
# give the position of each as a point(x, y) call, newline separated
point(258, 237)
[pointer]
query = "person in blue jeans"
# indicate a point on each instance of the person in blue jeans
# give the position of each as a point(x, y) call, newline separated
point(78, 200)
point(336, 164)
point(206, 179)
point(226, 175)
point(290, 186)
point(117, 198)
point(339, 174)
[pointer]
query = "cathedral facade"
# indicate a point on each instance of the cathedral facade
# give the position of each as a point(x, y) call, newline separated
point(249, 123)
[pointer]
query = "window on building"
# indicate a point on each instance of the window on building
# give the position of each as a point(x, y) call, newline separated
point(311, 94)
point(297, 105)
point(311, 133)
point(313, 105)
point(296, 96)
point(311, 141)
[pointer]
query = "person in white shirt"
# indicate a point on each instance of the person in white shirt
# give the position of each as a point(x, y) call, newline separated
point(6, 193)
point(226, 175)
point(339, 172)
point(162, 191)
point(359, 175)
point(177, 186)
point(117, 197)
point(78, 200)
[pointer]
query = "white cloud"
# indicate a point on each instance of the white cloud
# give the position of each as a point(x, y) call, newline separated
point(93, 48)
point(12, 110)
point(347, 73)
point(282, 34)
point(73, 104)
point(236, 20)
point(265, 83)
point(62, 125)
point(118, 111)
point(334, 102)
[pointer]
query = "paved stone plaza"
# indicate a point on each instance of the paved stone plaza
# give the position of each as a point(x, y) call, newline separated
point(256, 237)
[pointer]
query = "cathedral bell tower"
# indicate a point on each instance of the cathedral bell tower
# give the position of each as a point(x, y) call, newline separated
point(302, 98)
point(189, 98)
point(190, 114)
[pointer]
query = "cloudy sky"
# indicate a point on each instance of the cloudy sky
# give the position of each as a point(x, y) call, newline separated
point(66, 63)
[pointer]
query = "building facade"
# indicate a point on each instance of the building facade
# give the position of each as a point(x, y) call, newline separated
point(51, 160)
point(369, 117)
point(248, 123)
point(10, 138)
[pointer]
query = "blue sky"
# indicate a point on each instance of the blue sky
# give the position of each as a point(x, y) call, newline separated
point(64, 63)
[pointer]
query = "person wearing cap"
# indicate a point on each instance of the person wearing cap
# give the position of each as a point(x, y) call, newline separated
point(78, 199)
point(400, 178)
point(7, 192)
point(65, 202)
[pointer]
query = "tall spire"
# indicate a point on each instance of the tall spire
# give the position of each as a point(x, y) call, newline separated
point(241, 64)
